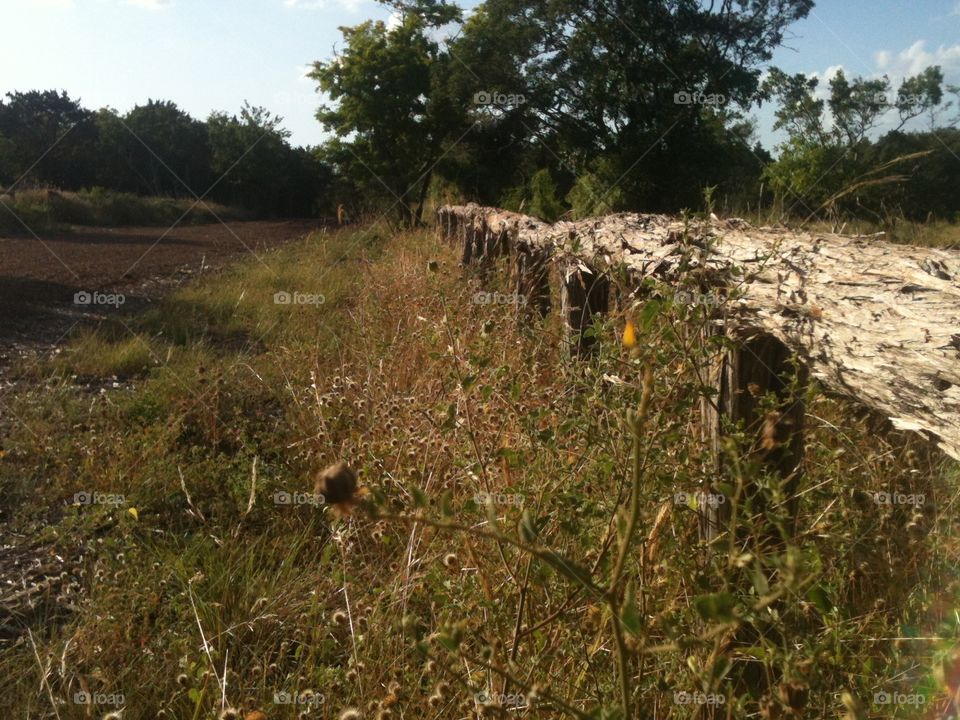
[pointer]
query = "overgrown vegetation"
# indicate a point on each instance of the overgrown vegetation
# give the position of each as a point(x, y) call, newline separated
point(582, 108)
point(39, 210)
point(578, 108)
point(49, 140)
point(529, 546)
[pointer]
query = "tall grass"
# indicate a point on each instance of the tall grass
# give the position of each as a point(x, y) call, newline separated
point(529, 547)
point(41, 210)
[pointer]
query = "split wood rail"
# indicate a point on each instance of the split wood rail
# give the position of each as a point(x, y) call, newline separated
point(871, 320)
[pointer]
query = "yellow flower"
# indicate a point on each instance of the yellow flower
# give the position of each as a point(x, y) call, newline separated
point(629, 335)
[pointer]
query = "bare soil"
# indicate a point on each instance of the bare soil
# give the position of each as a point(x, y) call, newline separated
point(39, 276)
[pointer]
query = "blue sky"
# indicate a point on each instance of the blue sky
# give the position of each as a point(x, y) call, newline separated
point(213, 54)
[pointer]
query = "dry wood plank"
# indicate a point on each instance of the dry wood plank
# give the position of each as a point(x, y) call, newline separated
point(872, 320)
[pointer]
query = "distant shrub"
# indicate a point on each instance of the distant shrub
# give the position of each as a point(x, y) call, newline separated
point(44, 209)
point(544, 202)
point(596, 193)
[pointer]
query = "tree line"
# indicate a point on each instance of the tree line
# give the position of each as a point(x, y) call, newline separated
point(48, 139)
point(562, 109)
point(583, 107)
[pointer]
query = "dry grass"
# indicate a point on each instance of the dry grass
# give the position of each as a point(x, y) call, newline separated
point(474, 583)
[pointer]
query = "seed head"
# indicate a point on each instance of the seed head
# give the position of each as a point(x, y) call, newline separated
point(338, 485)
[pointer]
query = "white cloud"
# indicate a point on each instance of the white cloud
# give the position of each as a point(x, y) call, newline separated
point(823, 87)
point(916, 58)
point(349, 5)
point(395, 20)
point(896, 66)
point(899, 65)
point(62, 4)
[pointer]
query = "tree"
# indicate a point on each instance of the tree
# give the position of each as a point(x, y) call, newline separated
point(644, 88)
point(49, 136)
point(822, 164)
point(161, 150)
point(247, 155)
point(393, 111)
point(933, 176)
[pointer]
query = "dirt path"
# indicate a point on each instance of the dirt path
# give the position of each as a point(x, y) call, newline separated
point(39, 277)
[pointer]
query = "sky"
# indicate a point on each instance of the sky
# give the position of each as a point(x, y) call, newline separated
point(208, 55)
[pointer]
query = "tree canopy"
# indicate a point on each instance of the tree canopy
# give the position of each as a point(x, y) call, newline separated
point(49, 139)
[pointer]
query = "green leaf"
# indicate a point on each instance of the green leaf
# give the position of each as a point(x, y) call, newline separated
point(419, 497)
point(718, 607)
point(819, 597)
point(757, 651)
point(760, 580)
point(450, 643)
point(569, 569)
point(545, 435)
point(450, 421)
point(528, 527)
point(446, 504)
point(630, 613)
point(650, 310)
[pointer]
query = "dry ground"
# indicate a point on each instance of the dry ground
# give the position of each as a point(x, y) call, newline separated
point(40, 275)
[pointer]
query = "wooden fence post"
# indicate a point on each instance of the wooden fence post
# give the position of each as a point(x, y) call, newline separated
point(742, 375)
point(533, 281)
point(583, 294)
point(469, 238)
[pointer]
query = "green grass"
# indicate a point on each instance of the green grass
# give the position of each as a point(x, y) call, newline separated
point(93, 355)
point(433, 597)
point(43, 210)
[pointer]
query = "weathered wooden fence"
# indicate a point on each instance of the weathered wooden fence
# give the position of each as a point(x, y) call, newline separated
point(869, 319)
